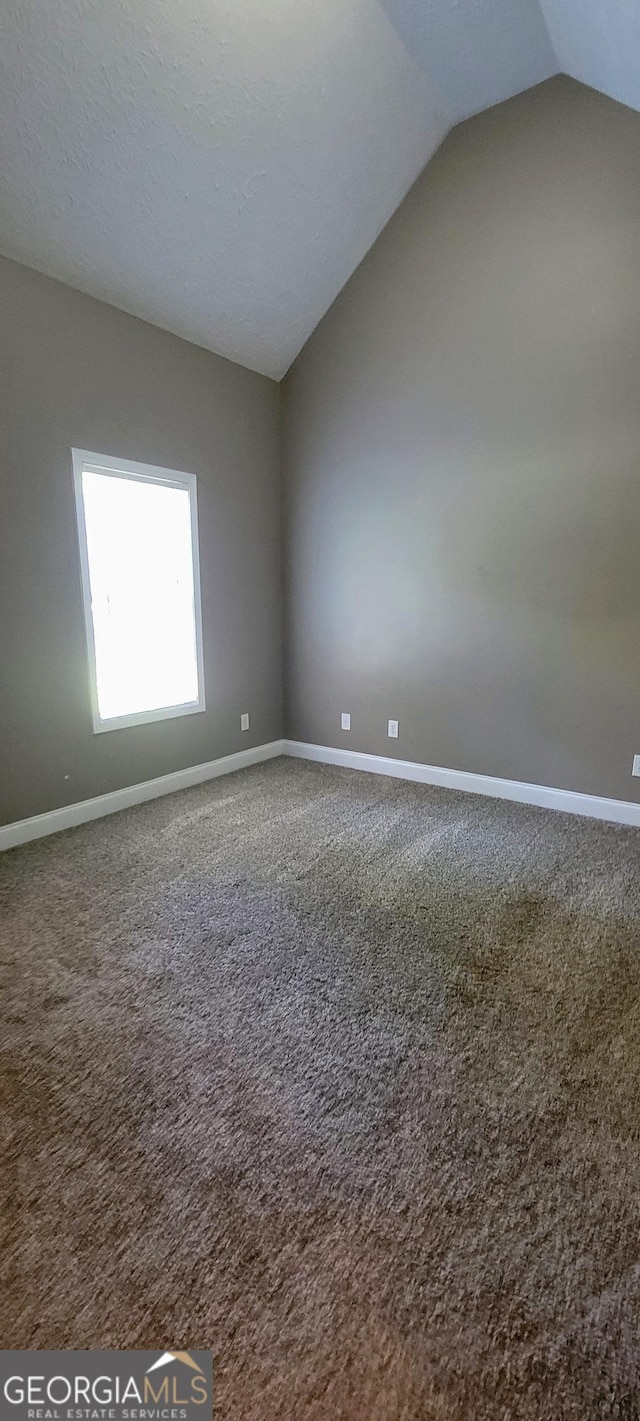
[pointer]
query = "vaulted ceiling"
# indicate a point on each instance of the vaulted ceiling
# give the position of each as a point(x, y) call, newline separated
point(220, 167)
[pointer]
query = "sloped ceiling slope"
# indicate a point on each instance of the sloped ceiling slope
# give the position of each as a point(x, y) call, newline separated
point(598, 42)
point(220, 167)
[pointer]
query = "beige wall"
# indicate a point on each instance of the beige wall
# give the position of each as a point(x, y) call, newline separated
point(462, 442)
point(76, 372)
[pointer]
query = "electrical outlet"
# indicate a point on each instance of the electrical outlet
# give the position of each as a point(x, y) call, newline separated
point(636, 765)
point(345, 721)
point(244, 721)
point(392, 730)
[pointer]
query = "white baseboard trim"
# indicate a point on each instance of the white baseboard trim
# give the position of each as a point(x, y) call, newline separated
point(619, 811)
point(23, 830)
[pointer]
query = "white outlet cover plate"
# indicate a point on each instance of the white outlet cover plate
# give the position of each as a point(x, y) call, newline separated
point(392, 731)
point(244, 721)
point(636, 765)
point(345, 721)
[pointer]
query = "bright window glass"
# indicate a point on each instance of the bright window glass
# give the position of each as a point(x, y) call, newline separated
point(138, 536)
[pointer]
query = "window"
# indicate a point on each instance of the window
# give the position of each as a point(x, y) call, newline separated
point(138, 533)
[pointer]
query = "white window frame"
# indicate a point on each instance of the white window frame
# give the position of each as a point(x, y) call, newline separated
point(84, 459)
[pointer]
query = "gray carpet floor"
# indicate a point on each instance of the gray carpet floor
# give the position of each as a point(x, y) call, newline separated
point(338, 1077)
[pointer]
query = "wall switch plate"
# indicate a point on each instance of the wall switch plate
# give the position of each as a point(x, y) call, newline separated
point(345, 721)
point(244, 721)
point(636, 765)
point(392, 730)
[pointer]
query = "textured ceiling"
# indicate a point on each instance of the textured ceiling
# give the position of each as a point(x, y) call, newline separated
point(220, 167)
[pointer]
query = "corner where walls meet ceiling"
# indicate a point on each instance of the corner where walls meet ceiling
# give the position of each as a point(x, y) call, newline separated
point(220, 169)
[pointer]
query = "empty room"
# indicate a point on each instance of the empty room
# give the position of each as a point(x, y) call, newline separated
point(320, 710)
